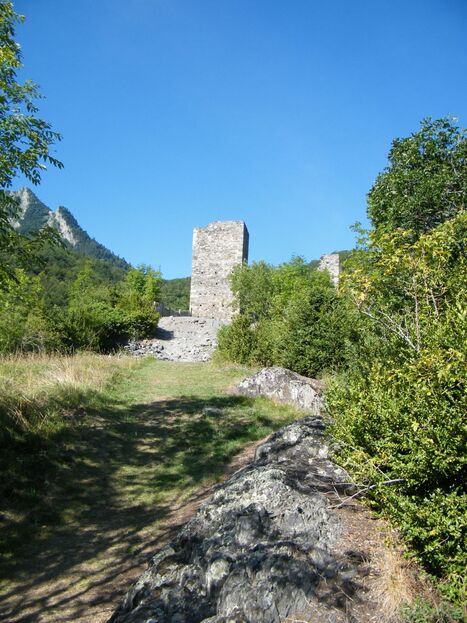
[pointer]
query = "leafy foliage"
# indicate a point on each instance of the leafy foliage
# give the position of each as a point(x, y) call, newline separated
point(96, 313)
point(399, 409)
point(289, 315)
point(404, 406)
point(59, 268)
point(101, 317)
point(237, 341)
point(318, 332)
point(25, 147)
point(175, 293)
point(425, 182)
point(423, 611)
point(24, 324)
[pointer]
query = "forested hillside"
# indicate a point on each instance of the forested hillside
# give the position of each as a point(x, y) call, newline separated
point(175, 293)
point(59, 266)
point(33, 215)
point(38, 299)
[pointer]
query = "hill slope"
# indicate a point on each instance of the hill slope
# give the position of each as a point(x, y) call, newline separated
point(34, 214)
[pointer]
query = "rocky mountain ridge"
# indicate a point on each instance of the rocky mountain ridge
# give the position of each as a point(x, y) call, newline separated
point(33, 215)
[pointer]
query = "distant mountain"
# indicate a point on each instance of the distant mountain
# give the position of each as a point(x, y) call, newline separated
point(33, 214)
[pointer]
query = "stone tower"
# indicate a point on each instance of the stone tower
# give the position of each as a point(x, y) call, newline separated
point(217, 249)
point(330, 262)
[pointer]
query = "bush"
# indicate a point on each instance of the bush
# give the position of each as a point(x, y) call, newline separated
point(25, 326)
point(237, 341)
point(400, 413)
point(425, 182)
point(291, 316)
point(102, 317)
point(423, 611)
point(317, 329)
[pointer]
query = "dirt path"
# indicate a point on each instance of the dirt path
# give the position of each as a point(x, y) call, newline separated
point(89, 590)
point(118, 483)
point(127, 478)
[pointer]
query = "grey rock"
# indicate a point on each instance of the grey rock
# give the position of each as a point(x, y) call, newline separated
point(180, 338)
point(260, 549)
point(286, 386)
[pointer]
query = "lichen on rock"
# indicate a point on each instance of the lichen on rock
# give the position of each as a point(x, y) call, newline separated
point(261, 549)
point(286, 386)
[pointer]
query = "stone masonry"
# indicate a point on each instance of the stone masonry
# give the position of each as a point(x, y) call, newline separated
point(330, 262)
point(217, 249)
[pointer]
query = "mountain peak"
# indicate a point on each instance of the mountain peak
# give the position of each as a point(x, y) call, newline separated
point(34, 215)
point(60, 222)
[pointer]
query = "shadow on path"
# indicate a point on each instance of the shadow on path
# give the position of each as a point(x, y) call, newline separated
point(105, 498)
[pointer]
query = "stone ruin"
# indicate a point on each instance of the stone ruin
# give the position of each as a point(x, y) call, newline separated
point(330, 262)
point(217, 249)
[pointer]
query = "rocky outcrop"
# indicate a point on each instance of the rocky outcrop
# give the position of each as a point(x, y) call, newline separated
point(286, 386)
point(59, 221)
point(261, 549)
point(180, 338)
point(33, 215)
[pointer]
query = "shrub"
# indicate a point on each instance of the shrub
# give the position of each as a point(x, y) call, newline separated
point(25, 325)
point(237, 341)
point(317, 328)
point(424, 611)
point(400, 413)
point(102, 317)
point(291, 316)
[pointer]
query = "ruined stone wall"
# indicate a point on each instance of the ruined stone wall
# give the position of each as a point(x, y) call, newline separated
point(330, 262)
point(217, 249)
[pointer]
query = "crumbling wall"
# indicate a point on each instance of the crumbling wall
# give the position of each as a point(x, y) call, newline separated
point(330, 262)
point(217, 249)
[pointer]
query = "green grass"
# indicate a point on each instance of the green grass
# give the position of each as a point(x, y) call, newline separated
point(96, 449)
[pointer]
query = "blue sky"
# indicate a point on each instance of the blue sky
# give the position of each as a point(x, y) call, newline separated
point(175, 113)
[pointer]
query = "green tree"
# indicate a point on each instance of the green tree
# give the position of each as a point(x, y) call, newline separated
point(25, 147)
point(102, 315)
point(425, 182)
point(318, 328)
point(142, 285)
point(400, 413)
point(252, 287)
point(289, 315)
point(24, 322)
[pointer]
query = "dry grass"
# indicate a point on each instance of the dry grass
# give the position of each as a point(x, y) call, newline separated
point(393, 583)
point(82, 506)
point(395, 590)
point(36, 390)
point(37, 373)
